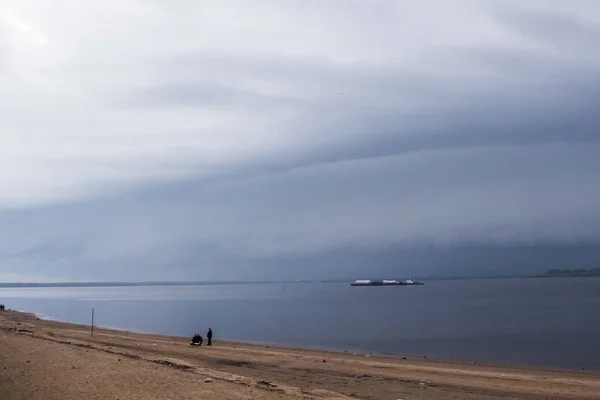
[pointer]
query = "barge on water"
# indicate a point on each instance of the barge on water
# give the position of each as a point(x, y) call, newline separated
point(365, 282)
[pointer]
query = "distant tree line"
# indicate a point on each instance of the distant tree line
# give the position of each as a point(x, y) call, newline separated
point(573, 272)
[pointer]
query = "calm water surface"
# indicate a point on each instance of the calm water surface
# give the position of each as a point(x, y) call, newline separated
point(547, 322)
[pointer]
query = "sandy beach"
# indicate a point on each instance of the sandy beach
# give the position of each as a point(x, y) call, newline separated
point(52, 360)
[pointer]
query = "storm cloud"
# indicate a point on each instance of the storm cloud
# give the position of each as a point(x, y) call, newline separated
point(144, 140)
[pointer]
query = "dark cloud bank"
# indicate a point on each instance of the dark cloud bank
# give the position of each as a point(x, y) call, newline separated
point(488, 166)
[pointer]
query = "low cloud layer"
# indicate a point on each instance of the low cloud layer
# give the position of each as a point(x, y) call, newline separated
point(145, 139)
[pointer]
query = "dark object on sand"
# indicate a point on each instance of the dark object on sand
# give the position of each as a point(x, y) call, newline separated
point(196, 340)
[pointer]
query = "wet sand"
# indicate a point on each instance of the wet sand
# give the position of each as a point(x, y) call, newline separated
point(52, 360)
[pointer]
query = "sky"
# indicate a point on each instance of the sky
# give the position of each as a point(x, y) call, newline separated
point(154, 140)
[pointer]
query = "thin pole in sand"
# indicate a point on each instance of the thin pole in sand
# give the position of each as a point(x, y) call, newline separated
point(92, 322)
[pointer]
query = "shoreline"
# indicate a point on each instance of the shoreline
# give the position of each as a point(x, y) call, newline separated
point(355, 352)
point(125, 363)
point(327, 350)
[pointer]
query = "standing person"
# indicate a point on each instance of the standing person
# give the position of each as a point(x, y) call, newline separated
point(209, 337)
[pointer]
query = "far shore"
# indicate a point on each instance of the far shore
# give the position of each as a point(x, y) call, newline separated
point(16, 285)
point(43, 359)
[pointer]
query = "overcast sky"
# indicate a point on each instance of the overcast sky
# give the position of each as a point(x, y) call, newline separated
point(146, 139)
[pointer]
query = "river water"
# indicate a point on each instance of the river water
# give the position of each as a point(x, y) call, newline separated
point(544, 322)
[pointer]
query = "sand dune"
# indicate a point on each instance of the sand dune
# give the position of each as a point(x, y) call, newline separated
point(51, 360)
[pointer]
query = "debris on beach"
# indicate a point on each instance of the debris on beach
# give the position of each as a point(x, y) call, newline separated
point(266, 383)
point(208, 380)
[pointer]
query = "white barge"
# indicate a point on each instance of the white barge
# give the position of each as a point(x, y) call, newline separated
point(367, 282)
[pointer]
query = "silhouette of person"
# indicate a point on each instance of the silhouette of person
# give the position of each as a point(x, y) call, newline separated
point(209, 337)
